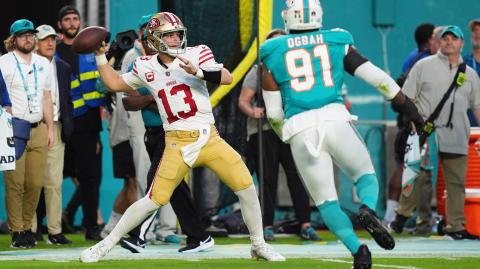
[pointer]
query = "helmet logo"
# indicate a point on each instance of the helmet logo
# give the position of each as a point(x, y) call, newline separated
point(153, 23)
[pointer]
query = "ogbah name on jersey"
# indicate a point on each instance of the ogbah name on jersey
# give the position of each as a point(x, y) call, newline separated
point(303, 40)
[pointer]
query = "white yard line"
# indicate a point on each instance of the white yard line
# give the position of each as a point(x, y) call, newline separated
point(374, 265)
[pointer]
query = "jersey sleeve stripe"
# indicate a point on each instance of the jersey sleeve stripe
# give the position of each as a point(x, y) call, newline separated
point(205, 56)
point(209, 58)
point(205, 50)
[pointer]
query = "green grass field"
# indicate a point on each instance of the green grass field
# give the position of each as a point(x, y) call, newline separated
point(401, 263)
point(432, 262)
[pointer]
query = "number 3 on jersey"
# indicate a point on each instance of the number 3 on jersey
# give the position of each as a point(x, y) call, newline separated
point(301, 69)
point(187, 99)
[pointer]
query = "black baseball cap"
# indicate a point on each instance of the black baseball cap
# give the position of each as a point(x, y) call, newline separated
point(64, 11)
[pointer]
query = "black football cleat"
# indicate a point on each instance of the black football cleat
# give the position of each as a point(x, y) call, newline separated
point(362, 259)
point(369, 220)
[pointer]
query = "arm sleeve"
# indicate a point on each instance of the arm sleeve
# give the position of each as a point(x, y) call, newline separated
point(275, 114)
point(378, 79)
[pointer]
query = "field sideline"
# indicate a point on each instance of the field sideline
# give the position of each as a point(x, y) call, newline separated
point(410, 253)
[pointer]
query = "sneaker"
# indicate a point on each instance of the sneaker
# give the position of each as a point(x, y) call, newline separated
point(134, 244)
point(19, 240)
point(308, 233)
point(30, 238)
point(268, 234)
point(369, 220)
point(58, 239)
point(462, 235)
point(423, 228)
point(398, 224)
point(265, 251)
point(193, 247)
point(96, 252)
point(362, 259)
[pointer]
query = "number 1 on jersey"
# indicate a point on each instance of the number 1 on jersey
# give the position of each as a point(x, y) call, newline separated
point(303, 74)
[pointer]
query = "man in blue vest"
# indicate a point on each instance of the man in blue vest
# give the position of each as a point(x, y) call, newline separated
point(85, 145)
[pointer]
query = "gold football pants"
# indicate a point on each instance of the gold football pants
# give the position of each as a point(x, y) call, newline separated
point(216, 155)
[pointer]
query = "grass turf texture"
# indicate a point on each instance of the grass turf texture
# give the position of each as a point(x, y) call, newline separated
point(324, 263)
point(401, 263)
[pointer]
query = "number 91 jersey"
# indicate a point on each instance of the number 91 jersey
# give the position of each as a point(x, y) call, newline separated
point(183, 100)
point(307, 67)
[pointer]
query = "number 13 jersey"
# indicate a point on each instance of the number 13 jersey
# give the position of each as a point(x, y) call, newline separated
point(183, 100)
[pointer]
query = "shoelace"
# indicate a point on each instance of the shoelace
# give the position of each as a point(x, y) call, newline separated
point(265, 249)
point(100, 250)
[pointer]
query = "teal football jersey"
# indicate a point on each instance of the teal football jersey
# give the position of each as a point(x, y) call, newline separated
point(307, 67)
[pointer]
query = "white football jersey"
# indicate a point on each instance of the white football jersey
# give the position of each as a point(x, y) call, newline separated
point(183, 99)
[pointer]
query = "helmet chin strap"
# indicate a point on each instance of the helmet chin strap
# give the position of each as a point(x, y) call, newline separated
point(175, 52)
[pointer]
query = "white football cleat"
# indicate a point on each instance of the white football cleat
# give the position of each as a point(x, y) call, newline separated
point(265, 251)
point(96, 252)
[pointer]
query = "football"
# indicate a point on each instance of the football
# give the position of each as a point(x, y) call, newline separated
point(90, 39)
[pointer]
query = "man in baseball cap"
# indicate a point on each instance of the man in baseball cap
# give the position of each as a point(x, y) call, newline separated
point(44, 31)
point(64, 11)
point(22, 26)
point(63, 121)
point(454, 30)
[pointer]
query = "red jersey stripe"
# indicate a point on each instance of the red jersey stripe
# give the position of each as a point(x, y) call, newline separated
point(209, 58)
point(205, 50)
point(205, 56)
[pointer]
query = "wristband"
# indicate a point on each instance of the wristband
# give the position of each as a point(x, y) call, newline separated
point(199, 74)
point(101, 59)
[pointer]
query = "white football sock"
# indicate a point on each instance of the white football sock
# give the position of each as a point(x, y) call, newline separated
point(390, 211)
point(251, 213)
point(133, 216)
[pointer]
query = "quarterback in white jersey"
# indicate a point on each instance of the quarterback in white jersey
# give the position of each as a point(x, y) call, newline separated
point(176, 77)
point(182, 98)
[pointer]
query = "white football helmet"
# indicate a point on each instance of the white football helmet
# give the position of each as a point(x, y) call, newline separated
point(160, 24)
point(302, 15)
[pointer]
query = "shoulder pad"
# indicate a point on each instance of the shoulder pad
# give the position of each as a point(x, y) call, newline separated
point(338, 35)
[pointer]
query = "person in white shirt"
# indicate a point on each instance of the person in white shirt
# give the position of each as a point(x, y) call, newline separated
point(28, 77)
point(53, 173)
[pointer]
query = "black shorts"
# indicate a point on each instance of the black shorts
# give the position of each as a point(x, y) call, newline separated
point(400, 144)
point(123, 166)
